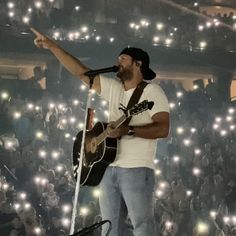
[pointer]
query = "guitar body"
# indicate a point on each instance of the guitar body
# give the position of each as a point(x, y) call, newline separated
point(95, 160)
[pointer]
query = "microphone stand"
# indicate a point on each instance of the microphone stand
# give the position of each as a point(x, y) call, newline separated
point(77, 188)
point(91, 228)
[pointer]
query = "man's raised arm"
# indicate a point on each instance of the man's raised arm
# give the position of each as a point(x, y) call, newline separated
point(70, 62)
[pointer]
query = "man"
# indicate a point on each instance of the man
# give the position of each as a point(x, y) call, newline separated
point(128, 182)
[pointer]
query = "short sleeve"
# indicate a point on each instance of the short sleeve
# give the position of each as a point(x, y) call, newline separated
point(155, 93)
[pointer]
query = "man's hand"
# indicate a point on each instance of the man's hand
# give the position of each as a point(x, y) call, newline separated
point(41, 41)
point(113, 132)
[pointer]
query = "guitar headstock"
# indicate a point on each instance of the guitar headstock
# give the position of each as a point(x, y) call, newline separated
point(139, 108)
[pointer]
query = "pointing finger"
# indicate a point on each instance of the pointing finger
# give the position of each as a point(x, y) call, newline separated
point(36, 32)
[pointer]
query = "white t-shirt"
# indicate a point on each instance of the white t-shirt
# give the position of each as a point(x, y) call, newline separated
point(133, 151)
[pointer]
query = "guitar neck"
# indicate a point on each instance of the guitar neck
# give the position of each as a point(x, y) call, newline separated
point(101, 137)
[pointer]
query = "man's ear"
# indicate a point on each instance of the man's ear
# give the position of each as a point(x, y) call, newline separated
point(138, 63)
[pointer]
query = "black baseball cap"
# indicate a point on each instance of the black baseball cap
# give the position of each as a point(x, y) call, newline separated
point(140, 55)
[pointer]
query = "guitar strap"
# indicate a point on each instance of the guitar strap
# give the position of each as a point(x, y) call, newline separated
point(135, 98)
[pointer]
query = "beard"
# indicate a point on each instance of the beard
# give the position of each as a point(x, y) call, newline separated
point(124, 74)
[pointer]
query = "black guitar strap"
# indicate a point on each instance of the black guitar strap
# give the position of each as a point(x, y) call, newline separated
point(135, 98)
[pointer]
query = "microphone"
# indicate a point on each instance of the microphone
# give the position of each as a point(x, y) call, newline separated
point(93, 73)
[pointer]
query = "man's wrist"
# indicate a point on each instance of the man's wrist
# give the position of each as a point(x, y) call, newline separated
point(130, 130)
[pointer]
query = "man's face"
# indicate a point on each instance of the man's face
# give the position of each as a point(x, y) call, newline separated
point(125, 64)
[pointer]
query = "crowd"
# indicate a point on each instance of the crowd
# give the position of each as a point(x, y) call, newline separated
point(157, 22)
point(195, 166)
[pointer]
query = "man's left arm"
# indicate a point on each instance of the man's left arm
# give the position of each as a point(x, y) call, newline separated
point(158, 129)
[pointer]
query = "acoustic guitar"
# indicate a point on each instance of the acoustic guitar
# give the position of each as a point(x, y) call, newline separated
point(99, 149)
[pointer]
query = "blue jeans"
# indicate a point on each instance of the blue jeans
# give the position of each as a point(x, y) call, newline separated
point(132, 190)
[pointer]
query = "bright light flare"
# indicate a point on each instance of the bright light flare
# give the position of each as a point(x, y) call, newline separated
point(208, 24)
point(77, 8)
point(202, 44)
point(25, 19)
point(37, 230)
point(168, 41)
point(159, 26)
point(65, 222)
point(42, 153)
point(37, 180)
point(156, 39)
point(159, 193)
point(216, 126)
point(179, 94)
point(111, 39)
point(131, 25)
point(168, 224)
point(144, 23)
point(193, 130)
point(75, 102)
point(84, 29)
point(16, 206)
point(223, 132)
point(196, 171)
point(202, 228)
point(82, 87)
point(27, 206)
point(176, 159)
point(213, 214)
point(5, 186)
point(51, 105)
point(30, 106)
point(200, 27)
point(59, 168)
point(56, 35)
point(96, 193)
point(10, 5)
point(189, 193)
point(229, 118)
point(187, 142)
point(22, 196)
point(84, 211)
point(38, 4)
point(55, 155)
point(180, 130)
point(197, 151)
point(4, 95)
point(172, 105)
point(226, 219)
point(162, 185)
point(11, 14)
point(158, 172)
point(66, 208)
point(98, 38)
point(9, 144)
